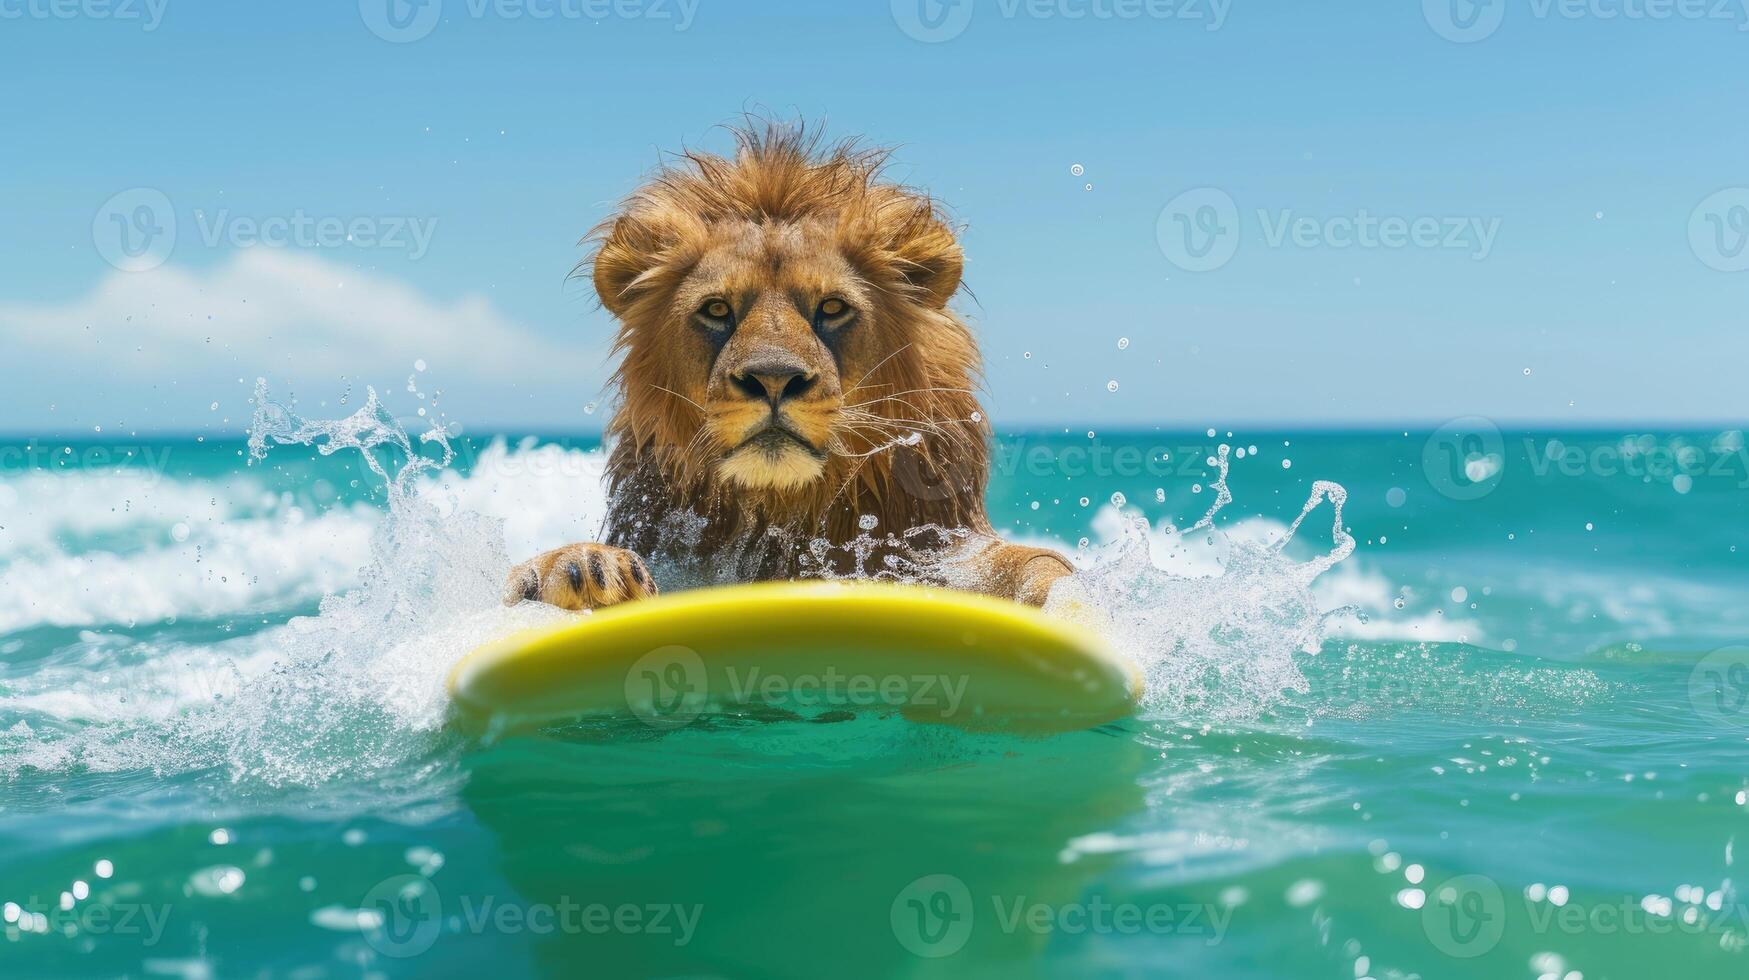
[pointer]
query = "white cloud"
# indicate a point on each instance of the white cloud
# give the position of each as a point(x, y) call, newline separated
point(293, 317)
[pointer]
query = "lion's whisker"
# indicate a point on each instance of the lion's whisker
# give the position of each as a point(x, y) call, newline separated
point(680, 396)
point(870, 372)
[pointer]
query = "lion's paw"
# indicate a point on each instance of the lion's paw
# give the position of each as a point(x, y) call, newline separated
point(580, 576)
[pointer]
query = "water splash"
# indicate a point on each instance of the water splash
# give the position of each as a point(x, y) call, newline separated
point(1211, 646)
point(352, 694)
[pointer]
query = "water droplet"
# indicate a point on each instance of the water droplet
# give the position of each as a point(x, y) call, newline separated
point(977, 416)
point(1118, 499)
point(419, 365)
point(1399, 603)
point(1084, 501)
point(1027, 355)
point(1287, 464)
point(1111, 385)
point(1159, 495)
point(1527, 372)
point(589, 409)
point(1076, 169)
point(179, 532)
point(1123, 343)
point(868, 522)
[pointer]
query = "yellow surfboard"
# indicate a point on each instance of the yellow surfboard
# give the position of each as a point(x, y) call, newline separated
point(932, 655)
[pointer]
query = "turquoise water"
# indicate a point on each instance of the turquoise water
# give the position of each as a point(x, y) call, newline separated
point(1505, 737)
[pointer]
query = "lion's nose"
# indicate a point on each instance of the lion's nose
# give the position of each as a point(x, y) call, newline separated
point(775, 381)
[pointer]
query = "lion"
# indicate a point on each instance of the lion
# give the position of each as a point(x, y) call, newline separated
point(794, 397)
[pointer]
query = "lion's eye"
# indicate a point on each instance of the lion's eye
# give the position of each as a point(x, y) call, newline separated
point(717, 310)
point(833, 309)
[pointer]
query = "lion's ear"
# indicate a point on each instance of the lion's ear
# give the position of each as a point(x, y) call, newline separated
point(932, 262)
point(624, 255)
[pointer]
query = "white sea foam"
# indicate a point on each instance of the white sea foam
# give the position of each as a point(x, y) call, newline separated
point(224, 566)
point(348, 693)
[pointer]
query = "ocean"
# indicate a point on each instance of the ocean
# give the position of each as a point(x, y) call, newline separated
point(1482, 712)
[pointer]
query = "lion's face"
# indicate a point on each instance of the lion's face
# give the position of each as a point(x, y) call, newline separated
point(769, 328)
point(784, 326)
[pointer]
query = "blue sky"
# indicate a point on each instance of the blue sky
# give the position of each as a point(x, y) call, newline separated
point(1394, 209)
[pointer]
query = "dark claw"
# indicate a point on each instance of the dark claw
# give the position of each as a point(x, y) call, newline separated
point(597, 571)
point(638, 574)
point(575, 574)
point(531, 585)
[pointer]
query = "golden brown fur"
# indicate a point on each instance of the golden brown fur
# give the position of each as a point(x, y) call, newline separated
point(789, 369)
